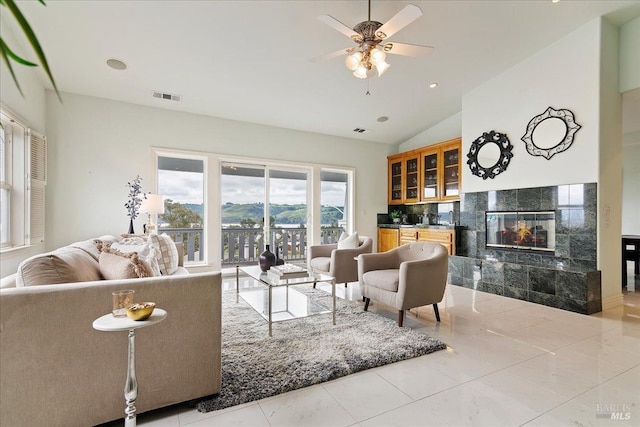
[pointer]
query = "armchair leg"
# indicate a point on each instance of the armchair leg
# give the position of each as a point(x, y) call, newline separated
point(345, 285)
point(364, 298)
point(366, 304)
point(435, 309)
point(400, 318)
point(314, 285)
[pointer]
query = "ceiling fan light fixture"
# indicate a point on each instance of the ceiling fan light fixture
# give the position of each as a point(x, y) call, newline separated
point(353, 61)
point(361, 72)
point(382, 67)
point(377, 56)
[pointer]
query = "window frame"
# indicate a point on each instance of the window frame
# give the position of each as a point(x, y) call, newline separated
point(18, 181)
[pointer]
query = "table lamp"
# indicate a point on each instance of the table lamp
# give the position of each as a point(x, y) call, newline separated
point(152, 205)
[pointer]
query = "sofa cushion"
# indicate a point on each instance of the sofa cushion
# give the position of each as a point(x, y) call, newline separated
point(147, 252)
point(64, 265)
point(168, 258)
point(351, 242)
point(387, 280)
point(321, 263)
point(117, 265)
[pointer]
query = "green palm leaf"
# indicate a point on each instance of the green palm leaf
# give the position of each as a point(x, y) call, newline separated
point(33, 41)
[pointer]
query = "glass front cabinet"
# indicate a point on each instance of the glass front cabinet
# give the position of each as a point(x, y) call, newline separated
point(441, 171)
point(395, 179)
point(428, 174)
point(430, 181)
point(451, 171)
point(412, 180)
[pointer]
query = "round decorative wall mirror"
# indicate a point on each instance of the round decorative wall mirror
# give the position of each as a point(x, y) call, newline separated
point(550, 133)
point(490, 154)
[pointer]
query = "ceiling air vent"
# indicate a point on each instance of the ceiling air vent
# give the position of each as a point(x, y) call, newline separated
point(360, 130)
point(167, 96)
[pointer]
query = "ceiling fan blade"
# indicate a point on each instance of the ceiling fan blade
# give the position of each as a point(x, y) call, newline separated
point(407, 49)
point(400, 20)
point(333, 54)
point(337, 25)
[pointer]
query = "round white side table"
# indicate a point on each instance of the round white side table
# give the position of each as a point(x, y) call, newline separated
point(108, 323)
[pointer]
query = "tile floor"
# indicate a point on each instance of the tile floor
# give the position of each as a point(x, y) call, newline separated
point(508, 363)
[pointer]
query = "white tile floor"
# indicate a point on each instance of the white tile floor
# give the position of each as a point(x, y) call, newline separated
point(509, 363)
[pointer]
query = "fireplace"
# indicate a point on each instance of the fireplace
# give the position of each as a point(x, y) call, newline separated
point(531, 230)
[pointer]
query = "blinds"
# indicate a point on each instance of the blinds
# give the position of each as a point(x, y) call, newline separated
point(38, 181)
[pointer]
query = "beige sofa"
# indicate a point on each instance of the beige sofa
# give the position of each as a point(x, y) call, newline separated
point(56, 370)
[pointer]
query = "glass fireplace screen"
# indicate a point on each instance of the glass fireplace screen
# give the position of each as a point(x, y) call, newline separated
point(521, 230)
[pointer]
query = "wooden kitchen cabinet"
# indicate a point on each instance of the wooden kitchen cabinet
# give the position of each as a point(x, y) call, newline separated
point(444, 237)
point(411, 193)
point(428, 174)
point(387, 239)
point(440, 173)
point(395, 179)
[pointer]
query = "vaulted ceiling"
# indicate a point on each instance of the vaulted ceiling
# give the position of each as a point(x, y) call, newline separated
point(252, 60)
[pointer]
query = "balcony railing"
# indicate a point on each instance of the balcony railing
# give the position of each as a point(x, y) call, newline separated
point(244, 245)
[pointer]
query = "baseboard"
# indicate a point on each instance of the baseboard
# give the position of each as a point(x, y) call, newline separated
point(612, 302)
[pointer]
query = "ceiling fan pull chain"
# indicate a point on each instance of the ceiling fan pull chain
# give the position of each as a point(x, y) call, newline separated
point(368, 93)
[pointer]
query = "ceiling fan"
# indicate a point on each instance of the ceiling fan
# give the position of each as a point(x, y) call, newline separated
point(370, 37)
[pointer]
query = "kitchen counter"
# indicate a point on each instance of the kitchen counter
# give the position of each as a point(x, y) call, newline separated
point(434, 226)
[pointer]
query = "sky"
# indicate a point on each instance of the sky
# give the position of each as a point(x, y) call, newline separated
point(187, 187)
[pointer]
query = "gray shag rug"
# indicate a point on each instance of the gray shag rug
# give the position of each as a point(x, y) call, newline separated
point(307, 351)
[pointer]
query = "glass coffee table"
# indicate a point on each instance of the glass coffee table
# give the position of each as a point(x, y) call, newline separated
point(276, 300)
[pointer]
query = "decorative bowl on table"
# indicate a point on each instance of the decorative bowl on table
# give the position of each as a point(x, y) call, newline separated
point(140, 310)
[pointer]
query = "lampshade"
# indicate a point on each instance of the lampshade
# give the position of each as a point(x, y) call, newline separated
point(382, 66)
point(352, 61)
point(153, 204)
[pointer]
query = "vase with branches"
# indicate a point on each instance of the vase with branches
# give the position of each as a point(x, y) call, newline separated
point(136, 196)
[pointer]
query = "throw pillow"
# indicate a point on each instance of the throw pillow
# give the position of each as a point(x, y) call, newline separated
point(351, 242)
point(168, 258)
point(64, 265)
point(146, 252)
point(116, 265)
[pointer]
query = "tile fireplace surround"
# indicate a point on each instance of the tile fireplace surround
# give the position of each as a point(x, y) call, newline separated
point(566, 279)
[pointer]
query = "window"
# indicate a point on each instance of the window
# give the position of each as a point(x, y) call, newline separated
point(181, 182)
point(5, 184)
point(23, 172)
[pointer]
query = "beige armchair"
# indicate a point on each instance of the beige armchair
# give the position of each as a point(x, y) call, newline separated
point(339, 263)
point(411, 275)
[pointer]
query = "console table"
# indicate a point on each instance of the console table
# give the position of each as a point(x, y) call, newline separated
point(108, 323)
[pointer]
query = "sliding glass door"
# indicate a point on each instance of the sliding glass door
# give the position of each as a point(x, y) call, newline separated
point(262, 205)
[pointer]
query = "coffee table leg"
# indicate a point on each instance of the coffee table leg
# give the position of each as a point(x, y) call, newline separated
point(131, 386)
point(333, 296)
point(270, 302)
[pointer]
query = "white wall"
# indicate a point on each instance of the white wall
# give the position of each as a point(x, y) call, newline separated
point(449, 128)
point(563, 75)
point(630, 55)
point(30, 109)
point(97, 145)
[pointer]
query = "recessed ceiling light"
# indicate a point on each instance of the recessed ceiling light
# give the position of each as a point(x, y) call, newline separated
point(116, 64)
point(432, 85)
point(555, 1)
point(382, 119)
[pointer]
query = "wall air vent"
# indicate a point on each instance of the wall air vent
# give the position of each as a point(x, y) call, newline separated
point(360, 130)
point(167, 96)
